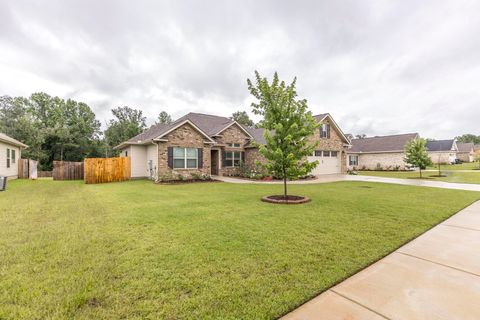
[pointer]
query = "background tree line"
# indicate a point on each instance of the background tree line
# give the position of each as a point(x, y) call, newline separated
point(59, 129)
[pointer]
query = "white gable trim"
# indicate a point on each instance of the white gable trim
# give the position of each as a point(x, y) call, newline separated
point(327, 115)
point(181, 124)
point(231, 124)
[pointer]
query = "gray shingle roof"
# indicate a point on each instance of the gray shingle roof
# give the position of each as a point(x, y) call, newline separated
point(209, 124)
point(464, 147)
point(440, 145)
point(381, 144)
point(10, 140)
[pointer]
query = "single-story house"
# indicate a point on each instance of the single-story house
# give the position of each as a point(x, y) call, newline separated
point(442, 151)
point(207, 144)
point(380, 152)
point(10, 152)
point(465, 151)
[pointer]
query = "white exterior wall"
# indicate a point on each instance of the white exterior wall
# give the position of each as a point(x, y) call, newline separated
point(152, 155)
point(442, 157)
point(12, 172)
point(388, 161)
point(138, 157)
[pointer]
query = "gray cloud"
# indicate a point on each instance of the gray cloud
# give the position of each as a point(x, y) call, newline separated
point(380, 67)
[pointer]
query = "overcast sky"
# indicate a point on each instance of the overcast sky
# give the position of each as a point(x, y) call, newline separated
point(379, 67)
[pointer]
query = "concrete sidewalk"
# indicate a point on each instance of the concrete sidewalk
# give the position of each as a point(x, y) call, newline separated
point(436, 276)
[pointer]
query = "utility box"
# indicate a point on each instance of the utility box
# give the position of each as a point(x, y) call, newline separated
point(3, 183)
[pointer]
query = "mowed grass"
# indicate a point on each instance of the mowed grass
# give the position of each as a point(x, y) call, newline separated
point(461, 166)
point(449, 176)
point(136, 250)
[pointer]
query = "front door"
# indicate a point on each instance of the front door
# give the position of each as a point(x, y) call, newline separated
point(214, 162)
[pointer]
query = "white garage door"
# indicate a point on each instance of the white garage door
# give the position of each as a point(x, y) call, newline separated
point(329, 162)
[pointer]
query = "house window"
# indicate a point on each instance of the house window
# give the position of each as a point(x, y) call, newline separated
point(353, 160)
point(233, 158)
point(185, 158)
point(325, 131)
point(318, 153)
point(13, 156)
point(333, 153)
point(326, 153)
point(233, 145)
point(8, 158)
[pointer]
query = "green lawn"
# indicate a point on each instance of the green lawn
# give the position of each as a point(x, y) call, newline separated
point(137, 250)
point(462, 166)
point(450, 176)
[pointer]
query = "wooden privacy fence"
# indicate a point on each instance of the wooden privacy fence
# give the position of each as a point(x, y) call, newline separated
point(102, 170)
point(67, 170)
point(27, 169)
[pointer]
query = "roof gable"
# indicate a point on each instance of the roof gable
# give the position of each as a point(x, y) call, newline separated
point(323, 116)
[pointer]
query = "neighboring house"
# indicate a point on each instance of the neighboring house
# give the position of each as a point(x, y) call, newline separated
point(465, 151)
point(442, 151)
point(10, 152)
point(207, 144)
point(381, 152)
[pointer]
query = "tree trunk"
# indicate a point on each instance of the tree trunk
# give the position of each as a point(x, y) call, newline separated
point(285, 187)
point(420, 173)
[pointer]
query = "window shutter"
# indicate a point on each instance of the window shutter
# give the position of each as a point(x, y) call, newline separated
point(170, 157)
point(328, 131)
point(200, 158)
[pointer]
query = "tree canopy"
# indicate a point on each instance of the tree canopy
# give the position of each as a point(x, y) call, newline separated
point(164, 117)
point(288, 124)
point(243, 118)
point(465, 138)
point(126, 124)
point(53, 128)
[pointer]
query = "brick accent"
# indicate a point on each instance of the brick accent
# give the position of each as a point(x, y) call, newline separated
point(188, 137)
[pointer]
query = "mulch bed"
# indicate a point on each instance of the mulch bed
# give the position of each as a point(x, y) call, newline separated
point(280, 199)
point(186, 181)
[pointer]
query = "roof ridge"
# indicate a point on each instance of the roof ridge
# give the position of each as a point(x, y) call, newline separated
point(390, 135)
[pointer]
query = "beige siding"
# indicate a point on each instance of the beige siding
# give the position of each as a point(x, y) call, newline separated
point(465, 156)
point(387, 161)
point(152, 155)
point(442, 157)
point(138, 156)
point(12, 172)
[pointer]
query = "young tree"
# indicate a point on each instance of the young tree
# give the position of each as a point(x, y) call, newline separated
point(477, 159)
point(242, 118)
point(416, 154)
point(164, 117)
point(288, 124)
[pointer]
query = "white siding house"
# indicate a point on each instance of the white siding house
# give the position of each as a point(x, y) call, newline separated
point(10, 152)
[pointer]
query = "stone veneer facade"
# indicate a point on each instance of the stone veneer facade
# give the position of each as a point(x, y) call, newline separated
point(188, 137)
point(232, 134)
point(334, 143)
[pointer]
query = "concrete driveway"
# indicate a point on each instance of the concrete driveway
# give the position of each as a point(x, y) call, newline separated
point(436, 276)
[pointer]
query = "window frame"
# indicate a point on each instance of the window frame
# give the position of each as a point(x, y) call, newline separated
point(185, 158)
point(232, 159)
point(325, 131)
point(326, 153)
point(332, 154)
point(8, 158)
point(13, 156)
point(234, 145)
point(353, 163)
